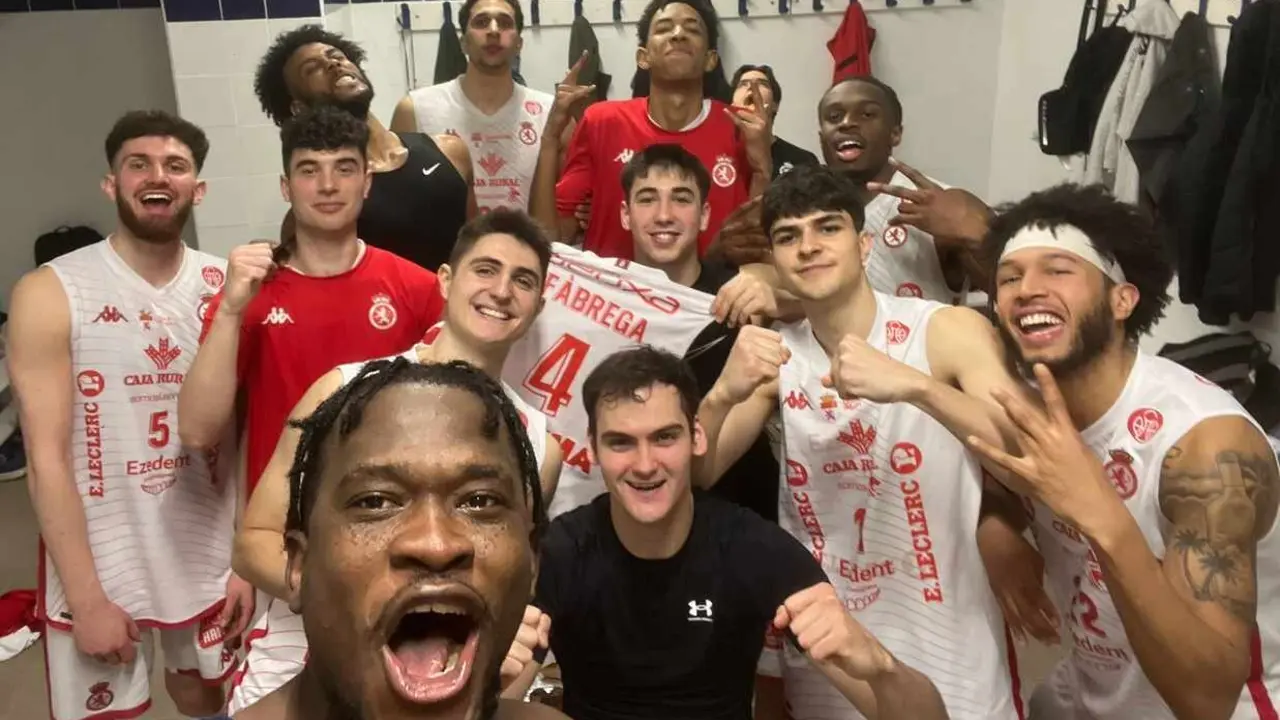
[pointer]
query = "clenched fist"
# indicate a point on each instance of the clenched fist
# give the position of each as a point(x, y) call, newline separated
point(756, 358)
point(534, 633)
point(829, 635)
point(861, 371)
point(247, 267)
point(743, 299)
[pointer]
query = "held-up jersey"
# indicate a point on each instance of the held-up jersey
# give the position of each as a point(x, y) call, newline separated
point(903, 260)
point(504, 145)
point(160, 516)
point(887, 499)
point(594, 307)
point(1101, 678)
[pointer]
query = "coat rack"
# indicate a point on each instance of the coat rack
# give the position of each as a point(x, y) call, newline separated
point(1218, 13)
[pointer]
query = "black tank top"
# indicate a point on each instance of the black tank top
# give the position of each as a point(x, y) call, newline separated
point(416, 210)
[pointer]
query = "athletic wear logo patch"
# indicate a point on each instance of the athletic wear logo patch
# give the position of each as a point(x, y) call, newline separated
point(110, 314)
point(624, 157)
point(785, 168)
point(100, 697)
point(724, 173)
point(1144, 423)
point(210, 632)
point(382, 314)
point(895, 236)
point(213, 276)
point(699, 611)
point(895, 333)
point(909, 289)
point(162, 354)
point(905, 458)
point(533, 107)
point(797, 400)
point(91, 383)
point(1119, 470)
point(428, 171)
point(277, 316)
point(528, 135)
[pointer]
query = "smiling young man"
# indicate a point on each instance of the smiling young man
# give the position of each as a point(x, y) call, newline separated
point(657, 600)
point(98, 343)
point(678, 40)
point(500, 118)
point(420, 194)
point(884, 495)
point(413, 516)
point(1155, 494)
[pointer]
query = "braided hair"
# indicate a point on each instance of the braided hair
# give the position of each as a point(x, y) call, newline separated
point(345, 409)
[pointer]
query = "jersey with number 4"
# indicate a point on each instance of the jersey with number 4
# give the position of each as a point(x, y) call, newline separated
point(887, 500)
point(1101, 677)
point(594, 307)
point(159, 516)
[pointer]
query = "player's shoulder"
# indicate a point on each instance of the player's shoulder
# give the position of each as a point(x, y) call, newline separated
point(614, 109)
point(388, 264)
point(536, 102)
point(437, 90)
point(573, 533)
point(38, 293)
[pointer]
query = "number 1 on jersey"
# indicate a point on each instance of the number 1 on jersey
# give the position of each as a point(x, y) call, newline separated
point(552, 377)
point(860, 518)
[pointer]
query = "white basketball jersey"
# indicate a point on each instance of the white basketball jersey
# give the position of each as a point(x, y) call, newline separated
point(160, 516)
point(903, 259)
point(535, 423)
point(887, 500)
point(594, 307)
point(1101, 679)
point(504, 145)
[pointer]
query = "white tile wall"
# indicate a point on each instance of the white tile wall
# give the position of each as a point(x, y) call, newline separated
point(213, 66)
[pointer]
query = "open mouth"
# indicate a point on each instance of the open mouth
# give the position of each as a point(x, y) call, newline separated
point(850, 150)
point(645, 487)
point(664, 238)
point(494, 314)
point(156, 200)
point(1040, 326)
point(347, 81)
point(431, 652)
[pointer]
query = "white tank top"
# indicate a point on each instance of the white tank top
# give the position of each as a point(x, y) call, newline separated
point(1161, 402)
point(594, 307)
point(903, 259)
point(887, 499)
point(535, 423)
point(504, 145)
point(160, 517)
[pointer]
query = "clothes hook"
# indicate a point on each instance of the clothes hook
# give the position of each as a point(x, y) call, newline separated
point(448, 13)
point(784, 7)
point(928, 2)
point(742, 8)
point(617, 11)
point(533, 13)
point(891, 3)
point(406, 20)
point(577, 9)
point(817, 6)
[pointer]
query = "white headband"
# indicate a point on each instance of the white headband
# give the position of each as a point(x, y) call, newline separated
point(1064, 238)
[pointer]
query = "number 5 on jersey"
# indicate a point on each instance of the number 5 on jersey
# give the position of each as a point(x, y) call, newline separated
point(553, 376)
point(158, 435)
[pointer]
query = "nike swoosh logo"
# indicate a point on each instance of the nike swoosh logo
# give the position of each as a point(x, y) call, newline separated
point(428, 171)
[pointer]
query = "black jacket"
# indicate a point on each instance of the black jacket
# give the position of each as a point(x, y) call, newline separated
point(1227, 184)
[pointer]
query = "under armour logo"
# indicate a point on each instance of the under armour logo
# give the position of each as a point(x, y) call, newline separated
point(428, 171)
point(699, 611)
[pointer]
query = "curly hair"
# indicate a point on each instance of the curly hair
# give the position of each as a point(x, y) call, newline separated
point(269, 83)
point(808, 189)
point(714, 83)
point(156, 123)
point(322, 127)
point(1119, 231)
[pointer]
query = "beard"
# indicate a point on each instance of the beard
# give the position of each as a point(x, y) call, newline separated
point(156, 231)
point(358, 105)
point(1092, 337)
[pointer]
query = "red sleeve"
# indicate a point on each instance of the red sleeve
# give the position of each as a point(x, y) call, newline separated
point(741, 186)
point(578, 176)
point(245, 350)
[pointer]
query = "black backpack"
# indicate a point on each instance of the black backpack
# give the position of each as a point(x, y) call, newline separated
point(1069, 114)
point(64, 240)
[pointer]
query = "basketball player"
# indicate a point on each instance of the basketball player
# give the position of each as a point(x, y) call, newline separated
point(678, 40)
point(884, 495)
point(493, 288)
point(485, 106)
point(410, 564)
point(760, 79)
point(655, 597)
point(136, 529)
point(1154, 493)
point(421, 190)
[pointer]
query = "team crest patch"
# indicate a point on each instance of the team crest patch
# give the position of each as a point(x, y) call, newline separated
point(1120, 471)
point(724, 173)
point(382, 314)
point(100, 697)
point(213, 276)
point(528, 135)
point(1144, 423)
point(895, 236)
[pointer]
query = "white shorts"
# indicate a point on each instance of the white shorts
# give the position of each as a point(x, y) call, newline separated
point(81, 688)
point(275, 651)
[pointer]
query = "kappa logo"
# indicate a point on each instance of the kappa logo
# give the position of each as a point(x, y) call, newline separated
point(277, 316)
point(492, 163)
point(110, 314)
point(859, 438)
point(625, 156)
point(699, 611)
point(162, 353)
point(797, 400)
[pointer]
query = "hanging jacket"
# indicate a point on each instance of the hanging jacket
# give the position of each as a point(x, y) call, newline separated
point(582, 38)
point(450, 60)
point(850, 46)
point(1153, 25)
point(1186, 92)
point(1206, 248)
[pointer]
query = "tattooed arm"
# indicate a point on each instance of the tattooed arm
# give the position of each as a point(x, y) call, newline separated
point(1190, 616)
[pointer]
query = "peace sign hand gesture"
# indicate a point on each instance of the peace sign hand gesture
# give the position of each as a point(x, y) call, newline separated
point(1056, 466)
point(942, 212)
point(569, 101)
point(755, 122)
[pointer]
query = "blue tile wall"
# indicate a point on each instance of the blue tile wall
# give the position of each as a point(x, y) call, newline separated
point(11, 6)
point(192, 10)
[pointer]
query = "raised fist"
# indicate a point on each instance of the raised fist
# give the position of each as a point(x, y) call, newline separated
point(247, 267)
point(755, 360)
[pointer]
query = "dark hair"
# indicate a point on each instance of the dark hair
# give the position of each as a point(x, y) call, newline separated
point(808, 189)
point(270, 84)
point(506, 221)
point(625, 373)
point(768, 74)
point(322, 127)
point(345, 409)
point(890, 95)
point(714, 84)
point(1119, 231)
point(156, 123)
point(669, 157)
point(464, 14)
